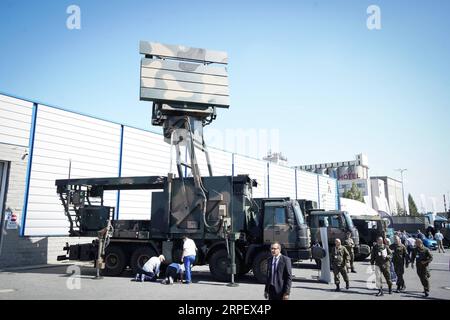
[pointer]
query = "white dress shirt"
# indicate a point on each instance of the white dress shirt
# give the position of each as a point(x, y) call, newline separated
point(275, 261)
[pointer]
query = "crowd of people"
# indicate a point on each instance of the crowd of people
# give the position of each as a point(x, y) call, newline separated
point(388, 261)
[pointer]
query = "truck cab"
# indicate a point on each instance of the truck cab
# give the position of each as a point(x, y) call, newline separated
point(369, 229)
point(284, 222)
point(338, 223)
point(281, 220)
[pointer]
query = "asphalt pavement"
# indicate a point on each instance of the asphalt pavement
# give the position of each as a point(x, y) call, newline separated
point(73, 282)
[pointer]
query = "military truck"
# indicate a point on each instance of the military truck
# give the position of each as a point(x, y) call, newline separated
point(338, 223)
point(444, 226)
point(282, 220)
point(411, 224)
point(232, 230)
point(230, 214)
point(369, 228)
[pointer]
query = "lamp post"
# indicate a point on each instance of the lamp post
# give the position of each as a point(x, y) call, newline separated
point(403, 190)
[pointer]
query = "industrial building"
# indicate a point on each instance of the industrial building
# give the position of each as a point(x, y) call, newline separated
point(381, 193)
point(40, 143)
point(387, 190)
point(346, 172)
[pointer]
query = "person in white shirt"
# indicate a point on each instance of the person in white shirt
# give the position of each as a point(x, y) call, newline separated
point(150, 270)
point(410, 244)
point(439, 237)
point(188, 257)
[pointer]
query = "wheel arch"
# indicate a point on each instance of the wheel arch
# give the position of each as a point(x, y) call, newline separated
point(222, 245)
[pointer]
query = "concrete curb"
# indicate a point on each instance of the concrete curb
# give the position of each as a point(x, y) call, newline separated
point(39, 266)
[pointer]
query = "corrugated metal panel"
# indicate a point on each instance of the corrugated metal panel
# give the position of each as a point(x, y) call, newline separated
point(257, 169)
point(281, 181)
point(15, 121)
point(221, 162)
point(93, 147)
point(307, 185)
point(144, 154)
point(327, 189)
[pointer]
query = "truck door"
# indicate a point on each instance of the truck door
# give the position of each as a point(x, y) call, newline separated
point(276, 227)
point(337, 227)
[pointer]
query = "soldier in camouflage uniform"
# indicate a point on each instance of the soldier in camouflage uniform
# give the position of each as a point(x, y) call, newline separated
point(349, 245)
point(422, 257)
point(400, 258)
point(339, 257)
point(381, 256)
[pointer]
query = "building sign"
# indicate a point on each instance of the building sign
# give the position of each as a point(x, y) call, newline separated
point(351, 173)
point(349, 176)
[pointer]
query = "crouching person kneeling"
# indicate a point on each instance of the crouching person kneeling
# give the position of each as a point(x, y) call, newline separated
point(174, 273)
point(150, 270)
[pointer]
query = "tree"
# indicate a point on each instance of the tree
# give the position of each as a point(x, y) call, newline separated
point(353, 193)
point(400, 210)
point(412, 206)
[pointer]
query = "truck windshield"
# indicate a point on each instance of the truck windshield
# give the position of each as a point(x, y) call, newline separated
point(348, 220)
point(298, 214)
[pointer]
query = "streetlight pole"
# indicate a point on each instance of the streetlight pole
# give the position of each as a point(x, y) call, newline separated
point(403, 190)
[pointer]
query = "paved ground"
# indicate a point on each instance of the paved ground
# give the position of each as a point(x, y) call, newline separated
point(54, 282)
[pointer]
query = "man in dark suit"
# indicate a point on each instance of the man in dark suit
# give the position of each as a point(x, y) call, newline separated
point(279, 275)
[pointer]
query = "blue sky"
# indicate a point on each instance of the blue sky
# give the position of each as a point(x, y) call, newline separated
point(309, 69)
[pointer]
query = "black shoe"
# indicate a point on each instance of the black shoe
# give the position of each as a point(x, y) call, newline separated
point(380, 293)
point(390, 290)
point(347, 285)
point(426, 293)
point(337, 288)
point(353, 271)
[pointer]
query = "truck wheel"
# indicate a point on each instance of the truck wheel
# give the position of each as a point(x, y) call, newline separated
point(140, 256)
point(115, 261)
point(361, 257)
point(363, 253)
point(243, 269)
point(219, 263)
point(260, 266)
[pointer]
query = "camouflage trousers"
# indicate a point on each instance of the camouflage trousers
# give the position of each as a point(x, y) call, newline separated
point(424, 275)
point(352, 259)
point(399, 269)
point(380, 272)
point(340, 270)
